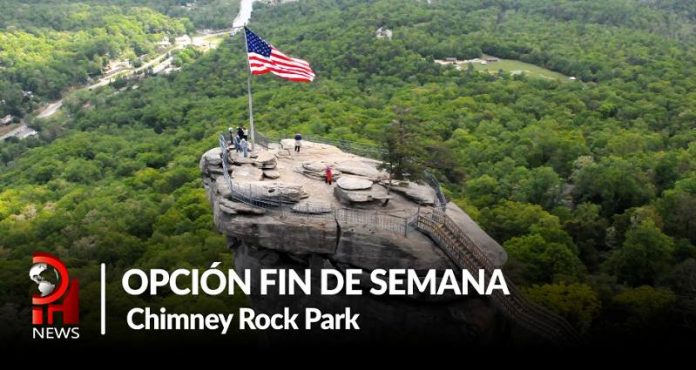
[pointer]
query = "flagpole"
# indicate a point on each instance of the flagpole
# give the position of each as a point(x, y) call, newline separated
point(252, 132)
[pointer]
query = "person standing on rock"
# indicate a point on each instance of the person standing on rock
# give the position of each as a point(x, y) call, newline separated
point(234, 139)
point(244, 145)
point(328, 175)
point(298, 142)
point(237, 145)
point(240, 132)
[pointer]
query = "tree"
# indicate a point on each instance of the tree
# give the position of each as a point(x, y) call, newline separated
point(544, 261)
point(403, 146)
point(588, 230)
point(684, 278)
point(641, 306)
point(483, 191)
point(615, 183)
point(678, 209)
point(578, 303)
point(542, 187)
point(510, 219)
point(645, 255)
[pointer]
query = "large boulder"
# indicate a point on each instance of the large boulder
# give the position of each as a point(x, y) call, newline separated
point(265, 160)
point(354, 183)
point(211, 161)
point(361, 168)
point(421, 194)
point(212, 156)
point(316, 169)
point(349, 197)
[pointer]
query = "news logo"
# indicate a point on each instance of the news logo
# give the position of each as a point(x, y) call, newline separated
point(57, 294)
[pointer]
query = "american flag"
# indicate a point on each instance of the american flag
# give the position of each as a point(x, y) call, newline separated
point(264, 58)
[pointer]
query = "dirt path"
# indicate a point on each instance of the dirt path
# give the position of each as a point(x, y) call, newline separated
point(50, 109)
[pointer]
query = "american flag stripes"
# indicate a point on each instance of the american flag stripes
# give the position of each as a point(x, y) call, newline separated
point(264, 58)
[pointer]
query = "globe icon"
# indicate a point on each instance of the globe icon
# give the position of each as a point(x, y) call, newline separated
point(38, 274)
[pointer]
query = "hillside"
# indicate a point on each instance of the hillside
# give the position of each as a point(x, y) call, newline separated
point(590, 185)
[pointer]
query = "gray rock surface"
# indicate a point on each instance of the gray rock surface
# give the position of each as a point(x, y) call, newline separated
point(233, 208)
point(465, 321)
point(361, 196)
point(211, 161)
point(302, 234)
point(273, 191)
point(418, 193)
point(265, 160)
point(212, 156)
point(247, 173)
point(362, 168)
point(354, 183)
point(271, 174)
point(317, 169)
point(312, 207)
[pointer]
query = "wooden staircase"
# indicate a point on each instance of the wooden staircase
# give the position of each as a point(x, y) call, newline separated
point(467, 255)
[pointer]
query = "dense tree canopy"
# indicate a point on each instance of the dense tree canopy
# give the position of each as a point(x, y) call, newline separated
point(588, 183)
point(47, 46)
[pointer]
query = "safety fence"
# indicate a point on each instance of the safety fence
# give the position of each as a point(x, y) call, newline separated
point(440, 200)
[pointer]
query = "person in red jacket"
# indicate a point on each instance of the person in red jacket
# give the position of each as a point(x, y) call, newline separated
point(328, 175)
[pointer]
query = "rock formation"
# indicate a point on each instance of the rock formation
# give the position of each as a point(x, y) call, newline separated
point(361, 221)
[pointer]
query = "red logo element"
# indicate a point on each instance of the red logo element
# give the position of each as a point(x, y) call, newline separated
point(51, 294)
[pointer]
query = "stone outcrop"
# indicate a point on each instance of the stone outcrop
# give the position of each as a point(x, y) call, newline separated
point(310, 195)
point(265, 161)
point(354, 183)
point(376, 193)
point(362, 168)
point(272, 191)
point(247, 173)
point(354, 223)
point(312, 207)
point(421, 194)
point(317, 169)
point(211, 162)
point(236, 208)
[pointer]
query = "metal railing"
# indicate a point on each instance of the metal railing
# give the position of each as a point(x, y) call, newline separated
point(441, 201)
point(466, 255)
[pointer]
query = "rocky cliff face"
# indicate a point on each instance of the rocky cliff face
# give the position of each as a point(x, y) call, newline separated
point(359, 221)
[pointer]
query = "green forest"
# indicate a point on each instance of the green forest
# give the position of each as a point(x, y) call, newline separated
point(590, 185)
point(48, 46)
